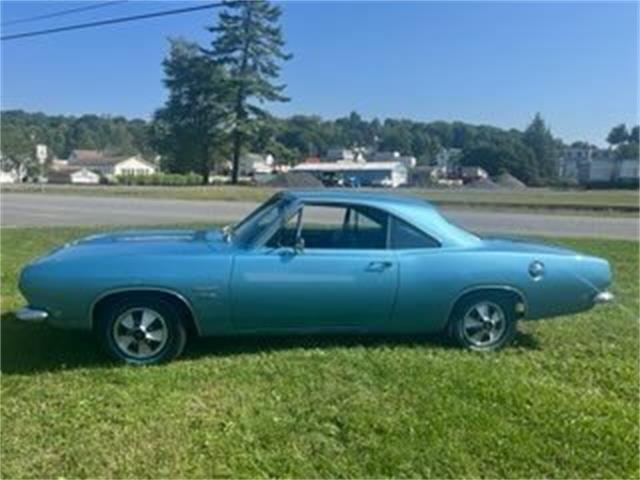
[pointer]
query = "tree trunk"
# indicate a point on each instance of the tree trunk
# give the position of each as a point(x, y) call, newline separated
point(205, 176)
point(237, 145)
point(205, 165)
point(239, 106)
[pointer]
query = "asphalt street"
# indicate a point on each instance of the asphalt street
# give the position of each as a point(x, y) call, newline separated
point(22, 209)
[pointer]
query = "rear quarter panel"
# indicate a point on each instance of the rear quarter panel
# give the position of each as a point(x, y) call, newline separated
point(430, 282)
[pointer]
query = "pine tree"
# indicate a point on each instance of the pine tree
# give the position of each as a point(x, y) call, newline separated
point(538, 137)
point(249, 43)
point(190, 129)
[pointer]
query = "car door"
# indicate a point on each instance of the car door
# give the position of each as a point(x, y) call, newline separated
point(427, 284)
point(343, 278)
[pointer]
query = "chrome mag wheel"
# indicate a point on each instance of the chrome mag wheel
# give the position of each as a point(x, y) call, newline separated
point(484, 324)
point(140, 333)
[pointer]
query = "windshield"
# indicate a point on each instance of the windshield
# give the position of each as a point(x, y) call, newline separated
point(257, 222)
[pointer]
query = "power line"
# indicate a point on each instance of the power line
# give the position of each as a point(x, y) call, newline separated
point(61, 13)
point(111, 21)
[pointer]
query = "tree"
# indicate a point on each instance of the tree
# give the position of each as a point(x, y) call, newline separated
point(189, 130)
point(634, 135)
point(618, 135)
point(249, 45)
point(627, 151)
point(511, 156)
point(64, 134)
point(538, 137)
point(17, 151)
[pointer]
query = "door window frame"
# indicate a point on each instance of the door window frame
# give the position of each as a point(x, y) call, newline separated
point(297, 208)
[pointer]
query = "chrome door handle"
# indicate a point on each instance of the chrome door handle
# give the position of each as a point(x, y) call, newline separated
point(379, 266)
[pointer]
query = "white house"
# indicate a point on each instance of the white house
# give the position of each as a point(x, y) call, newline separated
point(131, 166)
point(110, 166)
point(594, 166)
point(381, 174)
point(9, 177)
point(84, 176)
point(254, 163)
point(408, 160)
point(78, 176)
point(629, 171)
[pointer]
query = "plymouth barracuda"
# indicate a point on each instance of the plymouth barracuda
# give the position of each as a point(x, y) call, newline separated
point(317, 261)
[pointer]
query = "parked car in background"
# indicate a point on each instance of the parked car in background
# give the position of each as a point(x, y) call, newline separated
point(317, 261)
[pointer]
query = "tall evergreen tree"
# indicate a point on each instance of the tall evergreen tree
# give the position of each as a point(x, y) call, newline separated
point(249, 43)
point(189, 131)
point(538, 137)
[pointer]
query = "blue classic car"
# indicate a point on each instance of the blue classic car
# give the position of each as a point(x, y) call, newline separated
point(307, 262)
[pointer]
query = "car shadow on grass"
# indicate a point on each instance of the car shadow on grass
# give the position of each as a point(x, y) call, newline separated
point(239, 345)
point(34, 348)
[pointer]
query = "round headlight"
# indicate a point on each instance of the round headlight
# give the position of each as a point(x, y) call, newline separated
point(536, 269)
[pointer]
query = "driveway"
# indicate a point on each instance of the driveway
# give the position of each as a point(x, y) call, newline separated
point(22, 209)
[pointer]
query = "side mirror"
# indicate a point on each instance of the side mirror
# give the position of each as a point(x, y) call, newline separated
point(298, 247)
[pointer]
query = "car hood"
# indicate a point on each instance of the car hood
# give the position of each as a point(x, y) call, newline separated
point(137, 242)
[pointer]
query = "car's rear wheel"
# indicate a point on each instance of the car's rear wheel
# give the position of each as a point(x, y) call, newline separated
point(484, 321)
point(142, 330)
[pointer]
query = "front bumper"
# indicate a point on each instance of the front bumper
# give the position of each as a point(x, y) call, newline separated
point(604, 297)
point(32, 315)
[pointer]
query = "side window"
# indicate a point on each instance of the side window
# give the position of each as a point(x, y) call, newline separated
point(286, 234)
point(335, 227)
point(405, 236)
point(326, 226)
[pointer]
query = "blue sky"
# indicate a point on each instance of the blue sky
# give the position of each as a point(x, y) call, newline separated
point(493, 63)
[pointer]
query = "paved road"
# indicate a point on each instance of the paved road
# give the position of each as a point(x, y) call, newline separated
point(24, 209)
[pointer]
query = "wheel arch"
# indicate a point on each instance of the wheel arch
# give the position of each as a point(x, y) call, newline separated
point(105, 298)
point(516, 293)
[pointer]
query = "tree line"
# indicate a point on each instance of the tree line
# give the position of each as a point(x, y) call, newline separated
point(215, 111)
point(292, 139)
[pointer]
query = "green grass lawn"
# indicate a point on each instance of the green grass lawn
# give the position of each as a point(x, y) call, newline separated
point(536, 198)
point(562, 402)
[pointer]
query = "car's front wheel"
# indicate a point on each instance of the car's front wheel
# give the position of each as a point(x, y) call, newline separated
point(142, 330)
point(484, 321)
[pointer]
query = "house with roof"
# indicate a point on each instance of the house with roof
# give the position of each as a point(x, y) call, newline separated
point(255, 163)
point(374, 174)
point(80, 176)
point(94, 166)
point(592, 166)
point(110, 166)
point(393, 156)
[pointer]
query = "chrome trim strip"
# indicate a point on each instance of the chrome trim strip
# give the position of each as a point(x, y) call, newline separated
point(32, 315)
point(179, 296)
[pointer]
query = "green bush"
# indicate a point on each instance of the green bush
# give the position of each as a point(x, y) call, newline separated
point(166, 179)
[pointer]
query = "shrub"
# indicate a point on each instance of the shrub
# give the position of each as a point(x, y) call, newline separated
point(166, 179)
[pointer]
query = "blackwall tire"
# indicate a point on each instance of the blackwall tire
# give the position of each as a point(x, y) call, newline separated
point(484, 321)
point(142, 330)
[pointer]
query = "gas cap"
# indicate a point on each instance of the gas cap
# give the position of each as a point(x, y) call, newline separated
point(536, 269)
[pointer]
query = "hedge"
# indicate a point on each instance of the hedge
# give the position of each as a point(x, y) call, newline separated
point(174, 179)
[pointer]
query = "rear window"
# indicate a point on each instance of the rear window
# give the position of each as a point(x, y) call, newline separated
point(404, 236)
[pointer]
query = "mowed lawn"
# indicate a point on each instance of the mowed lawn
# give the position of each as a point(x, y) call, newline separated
point(562, 402)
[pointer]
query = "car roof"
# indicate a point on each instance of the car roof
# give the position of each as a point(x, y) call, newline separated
point(414, 210)
point(359, 196)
